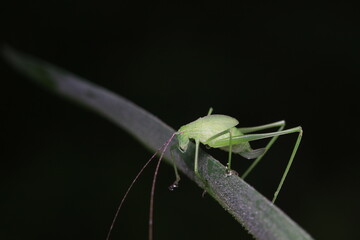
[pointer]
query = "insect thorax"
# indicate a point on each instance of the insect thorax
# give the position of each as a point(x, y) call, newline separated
point(204, 128)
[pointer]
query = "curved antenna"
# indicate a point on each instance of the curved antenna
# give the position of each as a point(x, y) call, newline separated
point(163, 148)
point(127, 192)
point(151, 209)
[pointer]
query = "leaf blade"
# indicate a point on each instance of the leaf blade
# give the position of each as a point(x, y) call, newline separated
point(259, 216)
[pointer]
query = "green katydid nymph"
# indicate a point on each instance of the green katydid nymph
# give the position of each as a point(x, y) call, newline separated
point(218, 131)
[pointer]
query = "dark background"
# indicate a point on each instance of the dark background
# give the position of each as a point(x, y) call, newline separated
point(64, 169)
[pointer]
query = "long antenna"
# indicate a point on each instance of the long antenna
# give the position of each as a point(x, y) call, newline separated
point(163, 148)
point(151, 209)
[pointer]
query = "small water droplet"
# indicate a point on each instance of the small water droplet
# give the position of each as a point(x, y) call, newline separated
point(173, 186)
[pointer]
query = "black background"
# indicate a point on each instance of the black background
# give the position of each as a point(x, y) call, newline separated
point(64, 169)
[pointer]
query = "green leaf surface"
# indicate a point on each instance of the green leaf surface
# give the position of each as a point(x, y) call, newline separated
point(258, 215)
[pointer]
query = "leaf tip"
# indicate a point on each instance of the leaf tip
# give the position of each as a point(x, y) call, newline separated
point(30, 67)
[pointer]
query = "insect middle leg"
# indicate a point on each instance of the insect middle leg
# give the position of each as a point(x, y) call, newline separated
point(230, 153)
point(196, 170)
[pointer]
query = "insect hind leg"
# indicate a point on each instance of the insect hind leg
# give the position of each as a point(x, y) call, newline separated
point(253, 137)
point(280, 124)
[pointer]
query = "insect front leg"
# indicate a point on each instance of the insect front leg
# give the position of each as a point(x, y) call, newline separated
point(177, 175)
point(196, 170)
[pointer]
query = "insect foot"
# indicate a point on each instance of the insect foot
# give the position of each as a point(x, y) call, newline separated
point(230, 172)
point(173, 186)
point(203, 194)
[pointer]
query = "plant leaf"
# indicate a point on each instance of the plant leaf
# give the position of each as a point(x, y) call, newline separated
point(258, 215)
